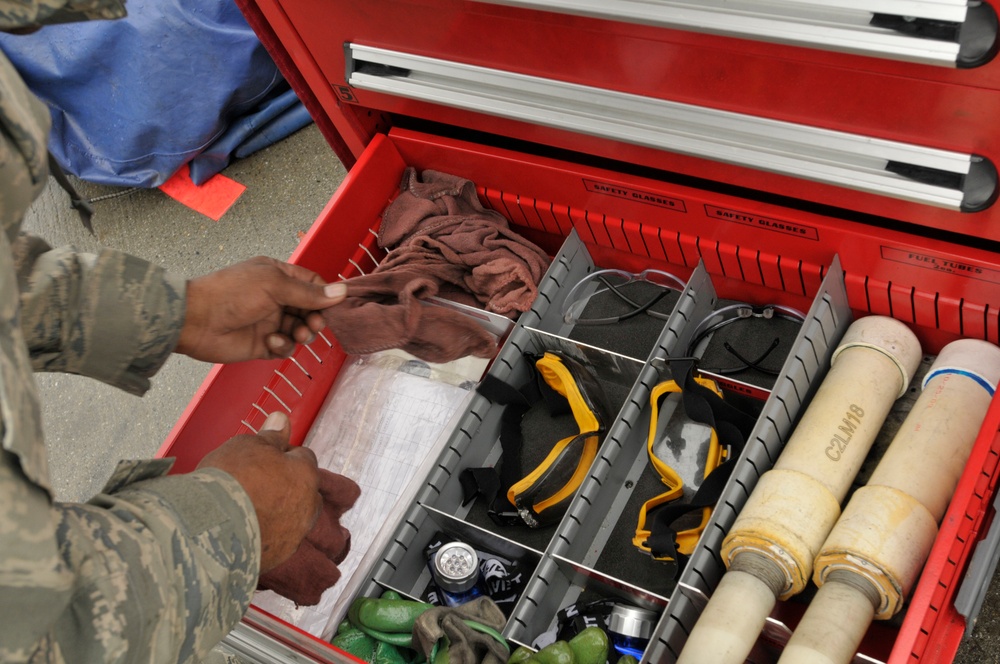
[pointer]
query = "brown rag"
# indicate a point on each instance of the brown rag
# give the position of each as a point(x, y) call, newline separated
point(443, 242)
point(465, 644)
point(313, 567)
point(388, 312)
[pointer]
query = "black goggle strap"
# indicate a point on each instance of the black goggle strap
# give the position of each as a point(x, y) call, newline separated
point(733, 428)
point(573, 619)
point(489, 482)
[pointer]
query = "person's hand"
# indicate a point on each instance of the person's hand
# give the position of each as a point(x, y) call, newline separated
point(282, 482)
point(257, 309)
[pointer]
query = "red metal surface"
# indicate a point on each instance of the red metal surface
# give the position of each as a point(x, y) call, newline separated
point(279, 52)
point(225, 403)
point(754, 250)
point(782, 261)
point(933, 629)
point(920, 104)
point(782, 252)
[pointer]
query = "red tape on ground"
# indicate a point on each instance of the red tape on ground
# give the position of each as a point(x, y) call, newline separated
point(211, 199)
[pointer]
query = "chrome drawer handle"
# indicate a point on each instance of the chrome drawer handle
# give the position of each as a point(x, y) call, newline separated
point(950, 33)
point(925, 175)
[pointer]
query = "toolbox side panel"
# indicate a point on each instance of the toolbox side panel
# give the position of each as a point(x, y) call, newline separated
point(237, 398)
point(936, 627)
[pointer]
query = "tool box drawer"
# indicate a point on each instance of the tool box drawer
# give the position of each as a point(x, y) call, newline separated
point(726, 249)
point(887, 141)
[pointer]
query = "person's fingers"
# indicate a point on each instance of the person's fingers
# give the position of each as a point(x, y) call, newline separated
point(315, 321)
point(330, 537)
point(279, 345)
point(314, 513)
point(276, 430)
point(347, 546)
point(306, 294)
point(299, 272)
point(302, 334)
point(305, 454)
point(339, 492)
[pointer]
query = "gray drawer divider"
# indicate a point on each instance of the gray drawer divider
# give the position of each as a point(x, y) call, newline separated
point(826, 321)
point(581, 535)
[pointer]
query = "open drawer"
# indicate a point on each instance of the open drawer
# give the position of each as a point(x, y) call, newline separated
point(587, 218)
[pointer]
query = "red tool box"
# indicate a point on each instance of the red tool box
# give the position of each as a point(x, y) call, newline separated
point(835, 160)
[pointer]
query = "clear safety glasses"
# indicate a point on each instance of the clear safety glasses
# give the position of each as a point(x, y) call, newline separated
point(610, 296)
point(714, 456)
point(735, 347)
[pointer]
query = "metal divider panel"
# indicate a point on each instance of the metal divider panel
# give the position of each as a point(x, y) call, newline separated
point(389, 568)
point(394, 565)
point(479, 537)
point(542, 599)
point(572, 263)
point(465, 449)
point(827, 319)
point(582, 576)
point(598, 505)
point(411, 577)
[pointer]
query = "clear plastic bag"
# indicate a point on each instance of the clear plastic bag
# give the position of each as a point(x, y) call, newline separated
point(383, 424)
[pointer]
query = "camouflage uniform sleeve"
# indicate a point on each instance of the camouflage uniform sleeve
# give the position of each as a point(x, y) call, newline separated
point(18, 14)
point(109, 316)
point(156, 569)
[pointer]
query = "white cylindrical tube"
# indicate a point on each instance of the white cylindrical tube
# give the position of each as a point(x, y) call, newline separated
point(794, 505)
point(727, 631)
point(837, 608)
point(880, 543)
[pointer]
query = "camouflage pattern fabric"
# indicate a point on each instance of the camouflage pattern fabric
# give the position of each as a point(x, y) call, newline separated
point(19, 14)
point(155, 568)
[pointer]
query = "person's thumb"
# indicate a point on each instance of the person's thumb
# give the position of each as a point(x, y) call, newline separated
point(312, 296)
point(277, 429)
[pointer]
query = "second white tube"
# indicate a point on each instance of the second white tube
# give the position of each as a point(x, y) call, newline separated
point(874, 554)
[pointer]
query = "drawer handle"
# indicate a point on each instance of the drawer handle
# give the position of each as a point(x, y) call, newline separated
point(946, 33)
point(941, 178)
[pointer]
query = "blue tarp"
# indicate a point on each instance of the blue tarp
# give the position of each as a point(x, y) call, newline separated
point(133, 100)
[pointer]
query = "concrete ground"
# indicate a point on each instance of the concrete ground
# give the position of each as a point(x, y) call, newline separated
point(89, 426)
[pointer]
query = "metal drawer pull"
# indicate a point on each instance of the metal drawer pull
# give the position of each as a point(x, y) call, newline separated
point(899, 170)
point(949, 33)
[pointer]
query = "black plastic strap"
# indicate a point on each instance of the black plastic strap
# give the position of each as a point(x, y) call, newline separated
point(573, 619)
point(76, 201)
point(489, 482)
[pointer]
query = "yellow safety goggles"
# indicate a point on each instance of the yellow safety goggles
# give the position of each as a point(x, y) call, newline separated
point(543, 495)
point(686, 539)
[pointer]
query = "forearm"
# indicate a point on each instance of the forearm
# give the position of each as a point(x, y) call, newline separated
point(158, 571)
point(190, 551)
point(109, 316)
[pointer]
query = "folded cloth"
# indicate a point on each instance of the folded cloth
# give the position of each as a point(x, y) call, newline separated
point(466, 645)
point(439, 217)
point(443, 241)
point(313, 567)
point(385, 311)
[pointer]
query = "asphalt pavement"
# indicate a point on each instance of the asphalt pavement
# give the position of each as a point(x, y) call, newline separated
point(90, 426)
